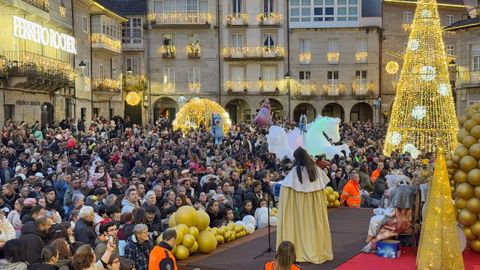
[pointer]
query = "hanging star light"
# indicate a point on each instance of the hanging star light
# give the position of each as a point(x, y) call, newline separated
point(396, 138)
point(423, 110)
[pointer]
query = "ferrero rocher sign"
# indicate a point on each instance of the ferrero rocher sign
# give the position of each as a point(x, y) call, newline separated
point(34, 32)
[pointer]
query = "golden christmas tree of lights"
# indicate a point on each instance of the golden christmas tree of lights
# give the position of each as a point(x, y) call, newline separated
point(423, 113)
point(439, 242)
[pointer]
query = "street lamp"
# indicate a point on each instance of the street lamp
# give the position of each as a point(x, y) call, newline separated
point(287, 78)
point(82, 66)
point(129, 71)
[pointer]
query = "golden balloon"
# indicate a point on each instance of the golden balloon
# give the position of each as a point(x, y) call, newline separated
point(220, 239)
point(474, 150)
point(474, 245)
point(461, 151)
point(183, 228)
point(469, 124)
point(188, 240)
point(469, 141)
point(193, 231)
point(464, 191)
point(181, 253)
point(460, 203)
point(466, 217)
point(133, 98)
point(198, 112)
point(475, 132)
point(186, 215)
point(476, 191)
point(194, 248)
point(179, 238)
point(474, 177)
point(468, 163)
point(468, 234)
point(392, 67)
point(476, 118)
point(203, 220)
point(462, 119)
point(473, 205)
point(171, 221)
point(207, 242)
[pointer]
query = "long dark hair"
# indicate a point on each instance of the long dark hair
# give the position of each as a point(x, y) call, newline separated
point(303, 159)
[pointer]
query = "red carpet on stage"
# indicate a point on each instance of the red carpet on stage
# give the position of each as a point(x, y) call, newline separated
point(405, 262)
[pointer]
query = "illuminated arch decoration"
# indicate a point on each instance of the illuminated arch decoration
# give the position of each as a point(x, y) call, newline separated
point(198, 112)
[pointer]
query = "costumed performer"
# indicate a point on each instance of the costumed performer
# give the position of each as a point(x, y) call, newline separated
point(302, 201)
point(217, 128)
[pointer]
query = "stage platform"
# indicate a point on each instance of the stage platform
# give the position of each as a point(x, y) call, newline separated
point(348, 226)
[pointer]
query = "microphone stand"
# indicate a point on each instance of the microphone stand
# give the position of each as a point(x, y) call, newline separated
point(269, 249)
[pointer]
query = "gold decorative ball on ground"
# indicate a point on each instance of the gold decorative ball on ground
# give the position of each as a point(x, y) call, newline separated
point(183, 228)
point(171, 221)
point(460, 203)
point(203, 220)
point(469, 141)
point(473, 205)
point(469, 124)
point(468, 234)
point(193, 231)
point(181, 253)
point(207, 242)
point(468, 163)
point(133, 98)
point(460, 176)
point(474, 150)
point(464, 191)
point(188, 240)
point(475, 245)
point(466, 217)
point(194, 248)
point(179, 238)
point(186, 215)
point(476, 191)
point(473, 177)
point(462, 133)
point(475, 228)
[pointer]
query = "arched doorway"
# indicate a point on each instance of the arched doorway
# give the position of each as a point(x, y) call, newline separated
point(334, 110)
point(46, 114)
point(304, 108)
point(239, 111)
point(165, 107)
point(276, 108)
point(362, 112)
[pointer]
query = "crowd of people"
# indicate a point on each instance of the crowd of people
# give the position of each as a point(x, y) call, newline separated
point(77, 197)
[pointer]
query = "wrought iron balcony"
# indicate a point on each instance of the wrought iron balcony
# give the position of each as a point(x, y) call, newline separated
point(333, 58)
point(256, 53)
point(189, 19)
point(306, 89)
point(194, 87)
point(107, 86)
point(168, 51)
point(305, 58)
point(193, 51)
point(237, 19)
point(168, 87)
point(362, 88)
point(269, 19)
point(41, 4)
point(407, 27)
point(361, 57)
point(469, 78)
point(135, 82)
point(334, 89)
point(237, 86)
point(105, 42)
point(269, 85)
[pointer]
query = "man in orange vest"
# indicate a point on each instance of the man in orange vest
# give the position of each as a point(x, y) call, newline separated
point(377, 171)
point(161, 257)
point(351, 192)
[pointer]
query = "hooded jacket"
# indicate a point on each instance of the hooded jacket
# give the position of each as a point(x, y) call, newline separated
point(6, 265)
point(34, 241)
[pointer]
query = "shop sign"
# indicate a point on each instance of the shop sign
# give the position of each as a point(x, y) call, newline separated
point(34, 32)
point(27, 103)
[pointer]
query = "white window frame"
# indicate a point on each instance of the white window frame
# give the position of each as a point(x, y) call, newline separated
point(132, 62)
point(194, 75)
point(237, 40)
point(449, 19)
point(304, 45)
point(268, 7)
point(270, 38)
point(132, 31)
point(86, 69)
point(333, 76)
point(361, 76)
point(476, 63)
point(333, 45)
point(168, 74)
point(101, 71)
point(450, 49)
point(269, 70)
point(238, 6)
point(304, 76)
point(362, 45)
point(84, 24)
point(407, 17)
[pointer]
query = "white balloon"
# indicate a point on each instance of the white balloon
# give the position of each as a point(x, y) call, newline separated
point(462, 237)
point(262, 221)
point(239, 223)
point(250, 228)
point(249, 219)
point(273, 221)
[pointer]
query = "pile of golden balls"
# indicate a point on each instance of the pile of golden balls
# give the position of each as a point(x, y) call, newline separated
point(464, 174)
point(333, 198)
point(195, 235)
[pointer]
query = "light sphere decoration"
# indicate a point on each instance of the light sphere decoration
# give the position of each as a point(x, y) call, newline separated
point(392, 67)
point(413, 45)
point(428, 73)
point(133, 98)
point(419, 112)
point(444, 89)
point(197, 112)
point(396, 138)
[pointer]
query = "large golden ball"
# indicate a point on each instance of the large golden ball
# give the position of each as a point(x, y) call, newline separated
point(467, 163)
point(473, 177)
point(476, 191)
point(474, 245)
point(464, 191)
point(203, 220)
point(171, 221)
point(475, 132)
point(181, 253)
point(392, 67)
point(468, 234)
point(183, 228)
point(469, 124)
point(469, 141)
point(179, 238)
point(450, 164)
point(193, 231)
point(456, 158)
point(133, 98)
point(466, 217)
point(474, 150)
point(475, 228)
point(186, 215)
point(220, 239)
point(473, 205)
point(460, 203)
point(207, 242)
point(461, 151)
point(194, 248)
point(462, 119)
point(460, 176)
point(476, 117)
point(188, 240)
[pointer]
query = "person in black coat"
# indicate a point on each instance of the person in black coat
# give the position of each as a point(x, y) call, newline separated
point(84, 230)
point(380, 185)
point(34, 238)
point(52, 202)
point(255, 194)
point(49, 257)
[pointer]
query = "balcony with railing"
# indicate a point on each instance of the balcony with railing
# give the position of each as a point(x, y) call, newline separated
point(361, 88)
point(167, 87)
point(407, 27)
point(168, 51)
point(333, 58)
point(237, 19)
point(269, 19)
point(107, 86)
point(42, 72)
point(253, 53)
point(106, 43)
point(305, 58)
point(334, 89)
point(194, 87)
point(41, 4)
point(268, 86)
point(134, 82)
point(361, 57)
point(193, 51)
point(236, 86)
point(305, 88)
point(468, 79)
point(181, 19)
